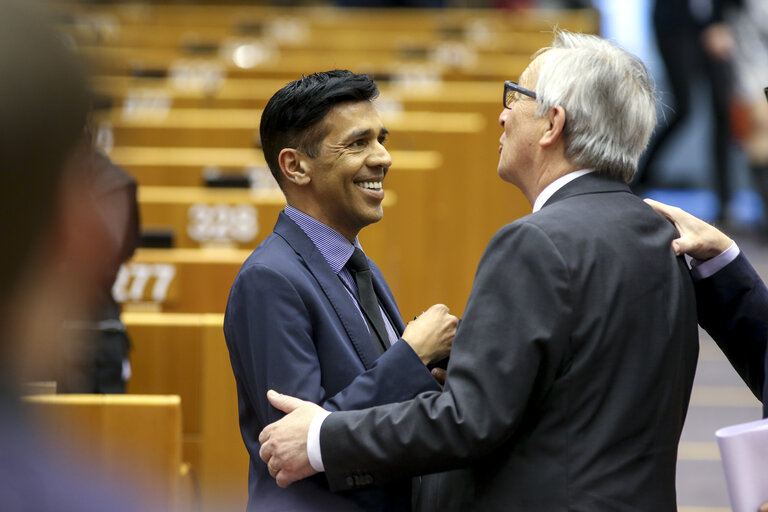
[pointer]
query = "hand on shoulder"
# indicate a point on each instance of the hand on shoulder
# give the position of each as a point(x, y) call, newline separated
point(698, 239)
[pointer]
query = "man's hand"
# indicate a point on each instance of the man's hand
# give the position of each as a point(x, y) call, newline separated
point(698, 239)
point(439, 374)
point(718, 41)
point(284, 442)
point(431, 334)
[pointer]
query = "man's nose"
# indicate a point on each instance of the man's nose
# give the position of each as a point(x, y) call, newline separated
point(380, 157)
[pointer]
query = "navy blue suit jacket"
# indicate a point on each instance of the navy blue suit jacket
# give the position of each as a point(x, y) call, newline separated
point(291, 326)
point(733, 308)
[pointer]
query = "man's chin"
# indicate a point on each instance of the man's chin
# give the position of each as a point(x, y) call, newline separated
point(374, 217)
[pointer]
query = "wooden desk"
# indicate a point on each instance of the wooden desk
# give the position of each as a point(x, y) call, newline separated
point(416, 42)
point(239, 128)
point(125, 61)
point(402, 90)
point(186, 355)
point(444, 218)
point(258, 20)
point(197, 280)
point(211, 217)
point(178, 280)
point(186, 166)
point(131, 439)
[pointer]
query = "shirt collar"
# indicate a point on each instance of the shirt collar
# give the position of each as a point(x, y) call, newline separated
point(332, 245)
point(556, 185)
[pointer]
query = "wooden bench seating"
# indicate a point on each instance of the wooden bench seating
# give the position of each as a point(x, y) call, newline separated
point(216, 217)
point(160, 96)
point(197, 280)
point(186, 355)
point(136, 60)
point(238, 128)
point(135, 440)
point(437, 209)
point(425, 226)
point(443, 219)
point(266, 42)
point(254, 18)
point(178, 280)
point(413, 42)
point(190, 167)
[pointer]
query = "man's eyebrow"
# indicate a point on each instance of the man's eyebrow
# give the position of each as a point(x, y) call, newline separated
point(365, 133)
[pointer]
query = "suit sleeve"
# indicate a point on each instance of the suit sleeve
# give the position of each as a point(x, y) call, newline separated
point(733, 308)
point(506, 354)
point(270, 327)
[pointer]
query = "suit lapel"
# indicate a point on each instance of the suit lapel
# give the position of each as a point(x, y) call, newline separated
point(332, 287)
point(592, 183)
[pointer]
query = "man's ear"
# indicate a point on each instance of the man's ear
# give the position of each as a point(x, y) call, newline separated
point(555, 127)
point(294, 167)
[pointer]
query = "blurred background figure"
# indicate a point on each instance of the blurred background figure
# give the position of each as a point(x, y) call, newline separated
point(99, 363)
point(695, 45)
point(51, 259)
point(750, 29)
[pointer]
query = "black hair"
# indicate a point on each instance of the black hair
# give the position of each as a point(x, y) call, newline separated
point(293, 116)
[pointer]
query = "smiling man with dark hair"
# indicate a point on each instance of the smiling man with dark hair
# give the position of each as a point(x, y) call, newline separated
point(309, 314)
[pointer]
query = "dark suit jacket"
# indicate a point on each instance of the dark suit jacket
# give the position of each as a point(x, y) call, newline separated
point(291, 326)
point(733, 309)
point(569, 377)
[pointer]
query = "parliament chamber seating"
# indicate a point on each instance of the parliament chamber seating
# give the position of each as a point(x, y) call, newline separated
point(187, 84)
point(124, 438)
point(197, 278)
point(185, 355)
point(193, 167)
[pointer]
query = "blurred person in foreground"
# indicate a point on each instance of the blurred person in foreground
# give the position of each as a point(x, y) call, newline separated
point(50, 253)
point(98, 361)
point(309, 313)
point(572, 368)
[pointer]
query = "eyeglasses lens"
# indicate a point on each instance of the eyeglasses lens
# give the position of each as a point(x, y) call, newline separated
point(509, 96)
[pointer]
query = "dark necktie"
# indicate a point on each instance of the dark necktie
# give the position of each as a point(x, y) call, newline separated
point(358, 265)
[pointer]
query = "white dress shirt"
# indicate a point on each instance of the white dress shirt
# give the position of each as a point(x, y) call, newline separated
point(556, 185)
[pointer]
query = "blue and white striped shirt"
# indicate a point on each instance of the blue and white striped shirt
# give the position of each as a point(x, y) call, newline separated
point(336, 250)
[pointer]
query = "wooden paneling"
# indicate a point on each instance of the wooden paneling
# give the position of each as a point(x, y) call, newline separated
point(186, 354)
point(132, 439)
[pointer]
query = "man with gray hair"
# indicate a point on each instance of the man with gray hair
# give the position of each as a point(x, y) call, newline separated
point(571, 372)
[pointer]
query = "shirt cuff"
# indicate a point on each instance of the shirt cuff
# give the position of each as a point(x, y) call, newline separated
point(313, 441)
point(707, 268)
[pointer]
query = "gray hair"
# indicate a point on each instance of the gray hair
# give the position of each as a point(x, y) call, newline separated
point(608, 98)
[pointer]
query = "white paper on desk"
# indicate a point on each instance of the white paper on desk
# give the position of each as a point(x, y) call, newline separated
point(744, 451)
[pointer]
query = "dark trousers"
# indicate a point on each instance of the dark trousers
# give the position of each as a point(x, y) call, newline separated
point(684, 61)
point(96, 365)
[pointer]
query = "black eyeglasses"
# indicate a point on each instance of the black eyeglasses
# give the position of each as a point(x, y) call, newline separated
point(511, 88)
